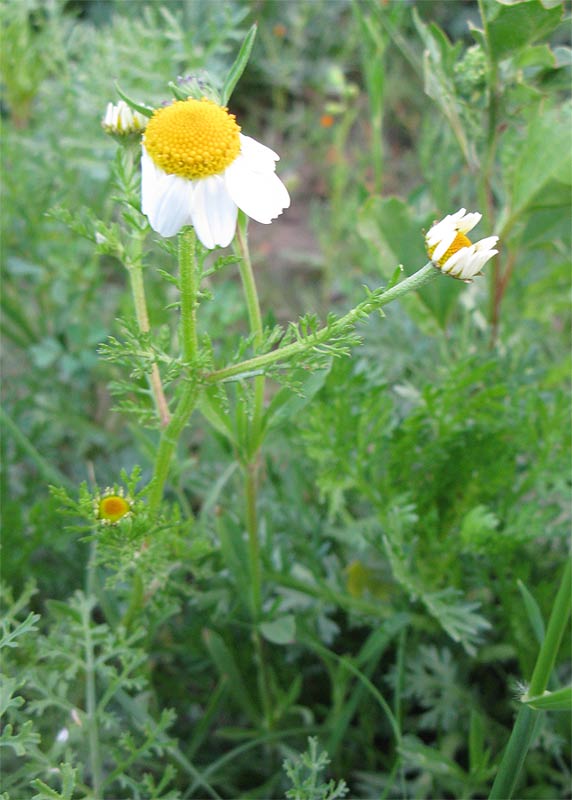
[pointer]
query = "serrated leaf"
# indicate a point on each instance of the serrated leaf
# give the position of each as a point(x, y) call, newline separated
point(68, 784)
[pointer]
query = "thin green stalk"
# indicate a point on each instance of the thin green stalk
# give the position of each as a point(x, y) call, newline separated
point(250, 491)
point(377, 301)
point(251, 469)
point(168, 443)
point(189, 289)
point(255, 319)
point(139, 300)
point(91, 708)
point(527, 719)
point(189, 392)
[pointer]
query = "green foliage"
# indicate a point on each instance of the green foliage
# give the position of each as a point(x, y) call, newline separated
point(304, 772)
point(344, 529)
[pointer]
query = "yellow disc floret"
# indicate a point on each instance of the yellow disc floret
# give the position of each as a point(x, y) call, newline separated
point(112, 508)
point(458, 242)
point(193, 138)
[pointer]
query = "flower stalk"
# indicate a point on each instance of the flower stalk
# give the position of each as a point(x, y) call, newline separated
point(135, 272)
point(188, 392)
point(376, 301)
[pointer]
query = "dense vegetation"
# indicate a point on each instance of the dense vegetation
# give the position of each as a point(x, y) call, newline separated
point(350, 583)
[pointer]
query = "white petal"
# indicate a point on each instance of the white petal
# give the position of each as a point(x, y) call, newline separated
point(443, 246)
point(260, 158)
point(165, 199)
point(486, 244)
point(468, 222)
point(261, 195)
point(456, 262)
point(213, 212)
point(438, 231)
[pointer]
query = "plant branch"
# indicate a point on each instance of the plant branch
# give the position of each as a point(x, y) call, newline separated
point(375, 301)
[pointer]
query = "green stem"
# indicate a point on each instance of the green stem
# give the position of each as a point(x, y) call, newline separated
point(251, 468)
point(139, 301)
point(250, 493)
point(91, 707)
point(189, 348)
point(168, 443)
point(189, 289)
point(255, 319)
point(376, 301)
point(527, 719)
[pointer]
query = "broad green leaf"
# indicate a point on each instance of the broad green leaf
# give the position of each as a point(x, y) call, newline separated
point(544, 155)
point(280, 631)
point(559, 700)
point(239, 65)
point(513, 27)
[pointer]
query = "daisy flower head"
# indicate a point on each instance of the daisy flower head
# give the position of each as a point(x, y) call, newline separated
point(198, 169)
point(122, 120)
point(112, 506)
point(451, 250)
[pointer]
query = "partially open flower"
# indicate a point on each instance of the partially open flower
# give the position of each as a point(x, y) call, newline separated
point(121, 120)
point(198, 169)
point(112, 506)
point(451, 250)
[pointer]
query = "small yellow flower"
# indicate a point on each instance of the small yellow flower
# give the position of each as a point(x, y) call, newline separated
point(121, 120)
point(198, 169)
point(451, 250)
point(112, 506)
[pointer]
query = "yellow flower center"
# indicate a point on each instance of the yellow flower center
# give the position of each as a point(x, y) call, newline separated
point(193, 138)
point(458, 242)
point(113, 507)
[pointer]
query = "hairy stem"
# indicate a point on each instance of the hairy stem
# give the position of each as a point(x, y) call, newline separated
point(255, 319)
point(377, 301)
point(140, 303)
point(188, 289)
point(188, 391)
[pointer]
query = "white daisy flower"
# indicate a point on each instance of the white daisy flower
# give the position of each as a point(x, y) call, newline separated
point(122, 120)
point(452, 251)
point(198, 169)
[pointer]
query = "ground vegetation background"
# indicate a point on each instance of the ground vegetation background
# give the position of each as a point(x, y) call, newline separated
point(414, 493)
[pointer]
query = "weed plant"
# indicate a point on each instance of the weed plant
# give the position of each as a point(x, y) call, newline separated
point(252, 558)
